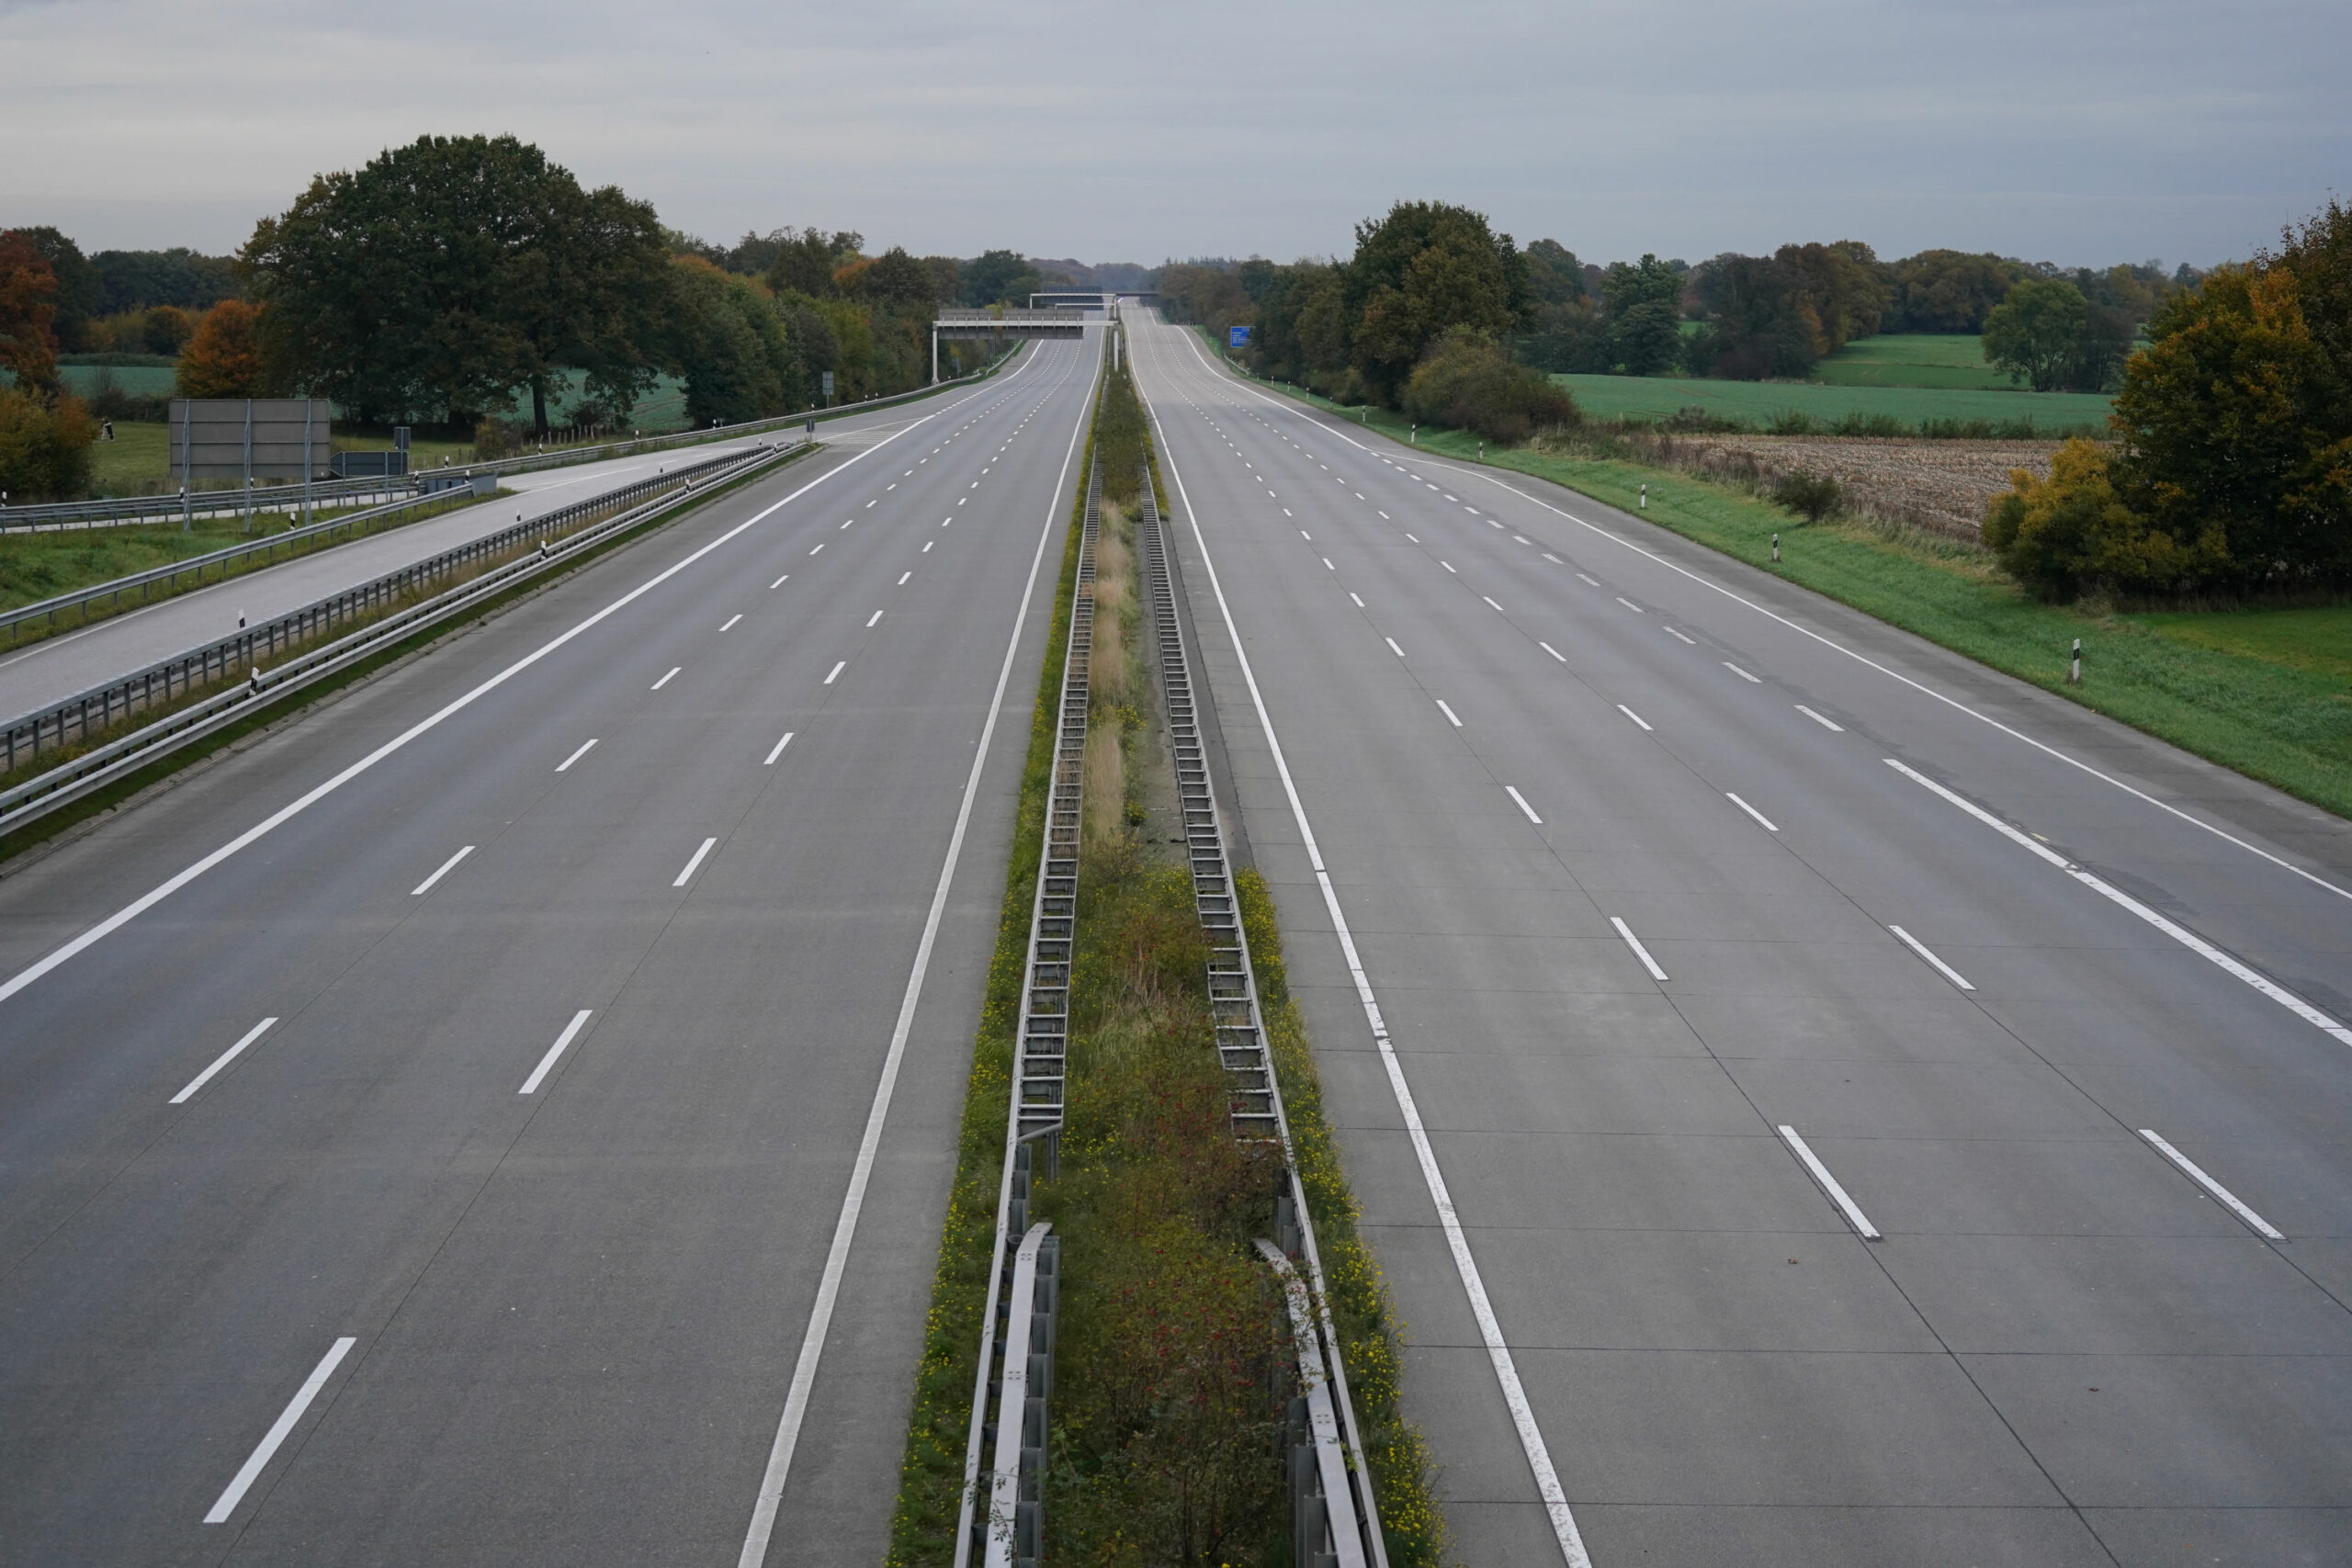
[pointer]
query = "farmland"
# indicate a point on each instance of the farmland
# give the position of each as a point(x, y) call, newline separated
point(1946, 362)
point(1758, 403)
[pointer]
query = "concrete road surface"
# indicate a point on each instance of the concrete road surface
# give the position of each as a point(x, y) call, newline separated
point(503, 1117)
point(1883, 1114)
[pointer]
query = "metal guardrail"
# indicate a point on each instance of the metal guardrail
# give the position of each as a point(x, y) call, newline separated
point(1012, 1504)
point(1339, 1506)
point(1315, 1459)
point(559, 534)
point(1016, 1500)
point(130, 510)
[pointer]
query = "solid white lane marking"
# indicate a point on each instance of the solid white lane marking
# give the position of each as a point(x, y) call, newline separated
point(1741, 674)
point(680, 881)
point(567, 762)
point(1498, 607)
point(836, 672)
point(1457, 1240)
point(1594, 580)
point(1449, 717)
point(448, 866)
point(731, 623)
point(555, 1051)
point(2227, 1199)
point(1751, 811)
point(778, 752)
point(779, 583)
point(2187, 939)
point(1825, 723)
point(222, 1060)
point(667, 679)
point(279, 1430)
point(1553, 651)
point(820, 1314)
point(1359, 600)
point(1393, 647)
point(1520, 801)
point(1629, 713)
point(1639, 951)
point(1946, 970)
point(1691, 640)
point(872, 618)
point(1854, 1216)
point(1629, 604)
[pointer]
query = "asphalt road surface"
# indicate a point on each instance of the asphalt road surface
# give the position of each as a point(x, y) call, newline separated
point(1679, 927)
point(57, 668)
point(505, 1117)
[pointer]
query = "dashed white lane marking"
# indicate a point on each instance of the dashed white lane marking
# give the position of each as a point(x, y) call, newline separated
point(2187, 938)
point(1741, 674)
point(1639, 951)
point(872, 618)
point(819, 545)
point(1307, 536)
point(778, 752)
point(222, 1060)
point(1449, 565)
point(2228, 1200)
point(1450, 716)
point(1759, 817)
point(1498, 608)
point(1629, 713)
point(1854, 1216)
point(279, 1430)
point(1692, 641)
point(1825, 723)
point(422, 888)
point(902, 579)
point(555, 1051)
point(1393, 647)
point(1629, 604)
point(731, 623)
point(666, 679)
point(836, 672)
point(1359, 601)
point(694, 863)
point(1553, 651)
point(1326, 564)
point(1520, 801)
point(927, 543)
point(846, 522)
point(1946, 970)
point(1590, 578)
point(1524, 540)
point(1552, 558)
point(779, 583)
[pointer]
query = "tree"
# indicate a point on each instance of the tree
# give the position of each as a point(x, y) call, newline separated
point(224, 358)
point(130, 280)
point(896, 278)
point(805, 263)
point(999, 277)
point(1425, 269)
point(456, 271)
point(27, 309)
point(1644, 306)
point(78, 286)
point(2036, 332)
point(1949, 291)
point(729, 343)
point(2061, 535)
point(1466, 383)
point(44, 445)
point(1555, 276)
point(1761, 321)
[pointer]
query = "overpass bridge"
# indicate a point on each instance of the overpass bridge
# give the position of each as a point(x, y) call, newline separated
point(1008, 322)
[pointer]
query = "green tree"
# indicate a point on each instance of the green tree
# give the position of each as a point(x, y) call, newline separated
point(1950, 291)
point(2036, 333)
point(1425, 269)
point(1555, 276)
point(728, 342)
point(1642, 304)
point(805, 263)
point(180, 277)
point(454, 272)
point(999, 277)
point(1465, 382)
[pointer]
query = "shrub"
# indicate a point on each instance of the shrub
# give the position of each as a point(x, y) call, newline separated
point(1810, 495)
point(2064, 533)
point(1467, 383)
point(44, 447)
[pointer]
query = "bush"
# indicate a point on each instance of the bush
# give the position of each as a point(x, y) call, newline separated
point(492, 440)
point(2070, 530)
point(44, 447)
point(1467, 383)
point(1810, 495)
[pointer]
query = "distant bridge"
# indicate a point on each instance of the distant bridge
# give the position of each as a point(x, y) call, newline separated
point(1002, 323)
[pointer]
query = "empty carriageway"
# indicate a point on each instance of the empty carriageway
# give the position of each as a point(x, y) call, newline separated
point(491, 1119)
point(1815, 1101)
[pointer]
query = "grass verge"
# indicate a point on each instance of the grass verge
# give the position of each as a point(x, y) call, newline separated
point(2263, 691)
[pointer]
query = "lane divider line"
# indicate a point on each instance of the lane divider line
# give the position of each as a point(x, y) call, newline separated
point(222, 1060)
point(422, 888)
point(692, 865)
point(667, 679)
point(872, 618)
point(2227, 1199)
point(1759, 817)
point(1451, 717)
point(1639, 951)
point(1741, 674)
point(1829, 724)
point(567, 762)
point(1553, 651)
point(1854, 1216)
point(1393, 647)
point(779, 750)
point(2187, 939)
point(1520, 801)
point(1629, 713)
point(278, 1431)
point(835, 673)
point(1946, 970)
point(555, 1051)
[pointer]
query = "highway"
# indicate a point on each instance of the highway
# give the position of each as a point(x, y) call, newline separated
point(1815, 1101)
point(505, 1117)
point(61, 666)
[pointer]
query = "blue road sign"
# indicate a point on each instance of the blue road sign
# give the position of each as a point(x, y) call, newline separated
point(1236, 336)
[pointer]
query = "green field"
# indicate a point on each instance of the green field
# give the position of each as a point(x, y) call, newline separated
point(138, 380)
point(1757, 403)
point(1943, 361)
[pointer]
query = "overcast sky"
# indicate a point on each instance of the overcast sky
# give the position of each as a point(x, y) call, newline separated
point(2077, 132)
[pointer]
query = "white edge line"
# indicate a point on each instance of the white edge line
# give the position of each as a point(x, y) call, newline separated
point(2229, 1200)
point(1854, 1216)
point(556, 1051)
point(317, 792)
point(279, 1430)
point(779, 750)
point(1759, 817)
point(1946, 970)
point(1639, 951)
point(1522, 1414)
point(448, 866)
point(231, 1054)
point(691, 864)
point(829, 1285)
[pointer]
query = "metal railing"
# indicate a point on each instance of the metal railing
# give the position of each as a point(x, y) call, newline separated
point(1339, 1506)
point(90, 714)
point(1003, 1506)
point(128, 510)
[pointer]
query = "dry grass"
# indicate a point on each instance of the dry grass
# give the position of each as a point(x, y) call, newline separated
point(1102, 812)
